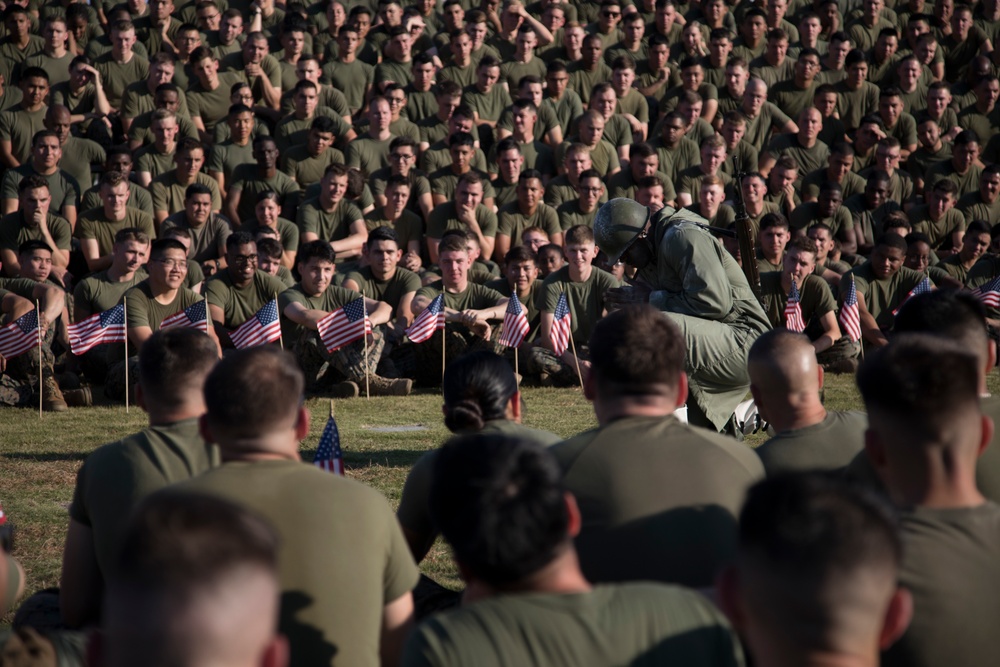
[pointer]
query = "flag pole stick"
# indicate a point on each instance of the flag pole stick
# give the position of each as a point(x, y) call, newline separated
point(368, 394)
point(331, 408)
point(125, 313)
point(576, 359)
point(516, 371)
point(281, 340)
point(38, 316)
point(443, 345)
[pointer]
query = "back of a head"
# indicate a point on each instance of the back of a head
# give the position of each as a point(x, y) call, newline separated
point(950, 314)
point(817, 563)
point(499, 502)
point(196, 585)
point(636, 351)
point(477, 388)
point(782, 363)
point(921, 390)
point(173, 365)
point(252, 393)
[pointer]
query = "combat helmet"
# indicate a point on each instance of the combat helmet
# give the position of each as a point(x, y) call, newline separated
point(617, 225)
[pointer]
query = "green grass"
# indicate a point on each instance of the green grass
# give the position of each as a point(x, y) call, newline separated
point(39, 457)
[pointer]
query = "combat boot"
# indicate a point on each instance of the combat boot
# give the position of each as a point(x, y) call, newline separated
point(78, 398)
point(52, 397)
point(345, 389)
point(381, 386)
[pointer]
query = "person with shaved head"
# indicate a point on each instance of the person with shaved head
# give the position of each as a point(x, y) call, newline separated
point(786, 381)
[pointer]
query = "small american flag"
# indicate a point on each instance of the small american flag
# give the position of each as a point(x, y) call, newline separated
point(989, 293)
point(192, 317)
point(98, 329)
point(344, 325)
point(515, 323)
point(261, 329)
point(329, 457)
point(428, 321)
point(923, 288)
point(793, 311)
point(561, 326)
point(20, 335)
point(850, 316)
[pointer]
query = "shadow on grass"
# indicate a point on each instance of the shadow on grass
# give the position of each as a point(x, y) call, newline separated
point(45, 457)
point(392, 458)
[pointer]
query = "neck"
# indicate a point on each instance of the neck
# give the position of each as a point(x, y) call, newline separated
point(380, 135)
point(120, 274)
point(807, 142)
point(165, 296)
point(46, 171)
point(267, 172)
point(57, 51)
point(561, 576)
point(458, 287)
point(795, 411)
point(767, 655)
point(937, 481)
point(348, 57)
point(191, 410)
point(524, 136)
point(578, 275)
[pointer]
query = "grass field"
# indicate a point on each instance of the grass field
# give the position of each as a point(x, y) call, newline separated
point(39, 457)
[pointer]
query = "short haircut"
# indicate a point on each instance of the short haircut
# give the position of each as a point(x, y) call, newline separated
point(461, 139)
point(176, 233)
point(159, 247)
point(252, 393)
point(183, 555)
point(131, 234)
point(579, 235)
point(529, 174)
point(173, 365)
point(453, 243)
point(477, 388)
point(32, 182)
point(891, 240)
point(269, 247)
point(238, 238)
point(802, 244)
point(520, 254)
point(636, 351)
point(33, 244)
point(498, 500)
point(319, 249)
point(770, 220)
point(952, 314)
point(188, 144)
point(197, 189)
point(383, 233)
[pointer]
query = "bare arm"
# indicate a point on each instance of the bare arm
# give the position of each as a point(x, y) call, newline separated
point(397, 622)
point(831, 332)
point(7, 155)
point(91, 253)
point(230, 208)
point(81, 586)
point(351, 246)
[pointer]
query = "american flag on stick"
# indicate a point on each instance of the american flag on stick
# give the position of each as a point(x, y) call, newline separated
point(793, 311)
point(515, 323)
point(989, 294)
point(20, 335)
point(193, 317)
point(561, 326)
point(850, 316)
point(428, 321)
point(923, 288)
point(261, 329)
point(98, 329)
point(344, 325)
point(329, 456)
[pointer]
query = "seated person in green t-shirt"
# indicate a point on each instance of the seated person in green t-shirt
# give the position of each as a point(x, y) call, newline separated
point(157, 612)
point(521, 274)
point(14, 393)
point(195, 274)
point(467, 211)
point(550, 259)
point(528, 210)
point(382, 279)
point(771, 242)
point(238, 291)
point(115, 477)
point(501, 505)
point(584, 286)
point(395, 213)
point(786, 381)
point(33, 221)
point(269, 254)
point(920, 257)
point(343, 371)
point(815, 576)
point(468, 309)
point(98, 226)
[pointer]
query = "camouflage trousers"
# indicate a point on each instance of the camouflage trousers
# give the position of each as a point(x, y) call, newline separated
point(841, 350)
point(25, 367)
point(540, 363)
point(422, 361)
point(322, 368)
point(14, 393)
point(114, 382)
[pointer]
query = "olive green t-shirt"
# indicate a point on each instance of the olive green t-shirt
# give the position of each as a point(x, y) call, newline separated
point(168, 193)
point(409, 226)
point(853, 105)
point(815, 298)
point(62, 186)
point(570, 215)
point(96, 293)
point(809, 159)
point(150, 159)
point(585, 299)
point(352, 79)
point(808, 214)
point(949, 566)
point(625, 624)
point(18, 126)
point(638, 479)
point(14, 231)
point(342, 556)
point(530, 302)
point(759, 128)
point(332, 298)
point(247, 180)
point(414, 512)
point(137, 100)
point(292, 131)
point(115, 477)
point(287, 229)
point(445, 217)
point(828, 445)
point(306, 169)
point(138, 198)
point(208, 241)
point(116, 77)
point(940, 231)
point(474, 297)
point(389, 291)
point(78, 155)
point(93, 224)
point(512, 222)
point(145, 311)
point(884, 296)
point(212, 106)
point(329, 226)
point(226, 156)
point(368, 154)
point(239, 304)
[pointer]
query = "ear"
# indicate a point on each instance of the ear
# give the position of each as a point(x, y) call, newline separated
point(682, 390)
point(590, 387)
point(727, 595)
point(276, 652)
point(573, 510)
point(897, 618)
point(514, 407)
point(302, 424)
point(986, 436)
point(203, 429)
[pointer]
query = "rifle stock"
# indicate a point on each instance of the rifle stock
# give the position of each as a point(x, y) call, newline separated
point(745, 234)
